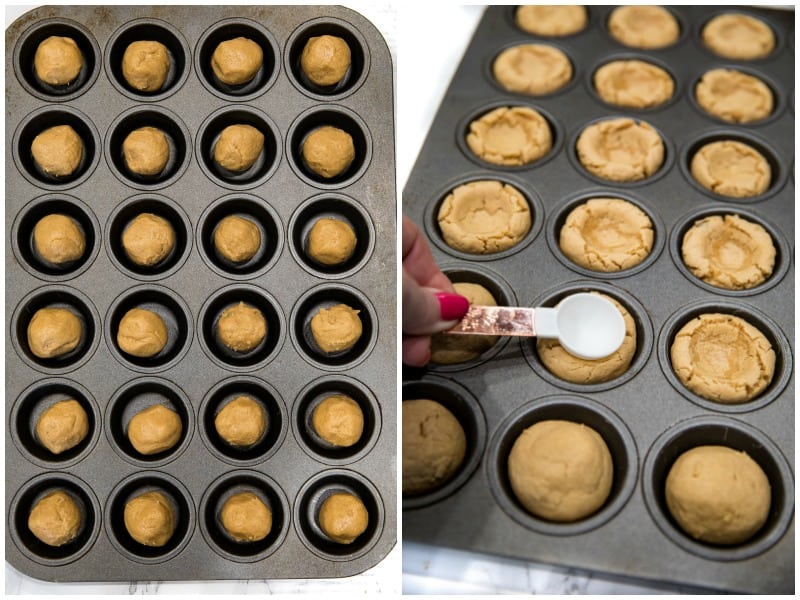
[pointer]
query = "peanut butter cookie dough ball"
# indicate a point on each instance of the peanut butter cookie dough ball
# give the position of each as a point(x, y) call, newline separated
point(148, 239)
point(331, 242)
point(729, 252)
point(58, 150)
point(534, 69)
point(734, 96)
point(621, 149)
point(325, 59)
point(739, 37)
point(146, 151)
point(154, 429)
point(241, 327)
point(633, 84)
point(62, 426)
point(510, 136)
point(246, 518)
point(149, 519)
point(58, 239)
point(718, 495)
point(58, 60)
point(237, 239)
point(142, 333)
point(343, 517)
point(453, 349)
point(560, 471)
point(145, 65)
point(241, 422)
point(338, 420)
point(731, 168)
point(53, 332)
point(434, 446)
point(551, 21)
point(336, 329)
point(55, 519)
point(723, 358)
point(237, 61)
point(484, 217)
point(238, 147)
point(328, 151)
point(607, 235)
point(568, 367)
point(647, 27)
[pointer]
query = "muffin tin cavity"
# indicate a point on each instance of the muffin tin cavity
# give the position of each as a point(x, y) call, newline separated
point(566, 408)
point(359, 58)
point(269, 401)
point(314, 493)
point(31, 493)
point(777, 32)
point(340, 208)
point(719, 431)
point(311, 396)
point(775, 89)
point(591, 88)
point(221, 490)
point(229, 29)
point(179, 500)
point(25, 52)
point(489, 67)
point(148, 30)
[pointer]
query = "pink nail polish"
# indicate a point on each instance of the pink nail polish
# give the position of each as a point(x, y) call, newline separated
point(452, 306)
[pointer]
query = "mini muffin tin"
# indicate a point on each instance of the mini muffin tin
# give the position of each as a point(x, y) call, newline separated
point(646, 416)
point(195, 374)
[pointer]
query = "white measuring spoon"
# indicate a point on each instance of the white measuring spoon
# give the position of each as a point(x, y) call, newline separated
point(586, 325)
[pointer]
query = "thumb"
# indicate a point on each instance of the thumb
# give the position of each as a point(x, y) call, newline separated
point(427, 310)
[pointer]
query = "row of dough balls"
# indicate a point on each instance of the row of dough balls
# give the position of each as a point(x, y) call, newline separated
point(325, 60)
point(732, 35)
point(562, 471)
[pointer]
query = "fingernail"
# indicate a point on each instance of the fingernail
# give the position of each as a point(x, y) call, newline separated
point(452, 306)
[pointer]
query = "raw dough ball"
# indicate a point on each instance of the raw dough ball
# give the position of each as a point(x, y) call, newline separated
point(238, 147)
point(633, 84)
point(55, 519)
point(142, 333)
point(734, 96)
point(648, 27)
point(145, 65)
point(510, 136)
point(336, 329)
point(237, 239)
point(241, 327)
point(146, 151)
point(534, 69)
point(343, 517)
point(154, 429)
point(729, 252)
point(241, 422)
point(739, 37)
point(731, 168)
point(62, 426)
point(621, 149)
point(149, 519)
point(58, 150)
point(328, 151)
point(452, 349)
point(236, 61)
point(565, 366)
point(58, 60)
point(551, 21)
point(338, 420)
point(607, 234)
point(723, 358)
point(325, 59)
point(331, 241)
point(148, 239)
point(434, 446)
point(560, 471)
point(53, 332)
point(484, 217)
point(58, 239)
point(246, 518)
point(718, 495)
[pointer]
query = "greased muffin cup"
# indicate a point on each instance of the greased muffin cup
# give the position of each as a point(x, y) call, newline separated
point(646, 415)
point(196, 374)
